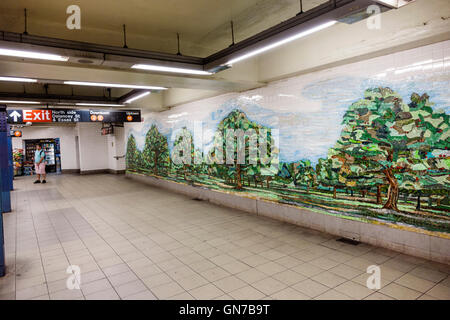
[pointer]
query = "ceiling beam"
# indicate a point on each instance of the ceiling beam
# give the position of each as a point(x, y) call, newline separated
point(80, 53)
point(58, 72)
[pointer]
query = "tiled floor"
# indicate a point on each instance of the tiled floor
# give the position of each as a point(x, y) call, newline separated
point(133, 241)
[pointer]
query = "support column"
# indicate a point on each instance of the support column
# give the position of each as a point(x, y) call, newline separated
point(3, 154)
point(5, 169)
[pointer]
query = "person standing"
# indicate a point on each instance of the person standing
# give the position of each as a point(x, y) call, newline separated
point(39, 164)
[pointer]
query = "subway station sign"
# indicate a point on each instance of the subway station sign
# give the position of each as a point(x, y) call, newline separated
point(71, 115)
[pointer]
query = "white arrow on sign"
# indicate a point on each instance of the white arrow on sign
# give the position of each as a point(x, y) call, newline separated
point(15, 115)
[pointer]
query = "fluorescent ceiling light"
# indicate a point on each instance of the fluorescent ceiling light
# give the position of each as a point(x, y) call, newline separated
point(32, 55)
point(281, 42)
point(17, 79)
point(112, 85)
point(169, 69)
point(19, 102)
point(137, 97)
point(100, 104)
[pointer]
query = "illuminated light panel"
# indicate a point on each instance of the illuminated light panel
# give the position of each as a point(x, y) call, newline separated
point(281, 42)
point(151, 67)
point(99, 104)
point(32, 55)
point(14, 79)
point(138, 97)
point(19, 102)
point(112, 85)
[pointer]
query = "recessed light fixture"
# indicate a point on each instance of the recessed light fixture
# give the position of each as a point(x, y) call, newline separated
point(32, 55)
point(14, 79)
point(112, 85)
point(99, 104)
point(281, 42)
point(138, 97)
point(19, 102)
point(170, 69)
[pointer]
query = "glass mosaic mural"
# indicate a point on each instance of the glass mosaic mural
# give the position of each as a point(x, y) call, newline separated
point(367, 141)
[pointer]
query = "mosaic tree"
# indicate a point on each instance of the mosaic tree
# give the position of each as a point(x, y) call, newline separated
point(305, 174)
point(386, 138)
point(326, 175)
point(156, 151)
point(183, 153)
point(240, 138)
point(430, 172)
point(132, 154)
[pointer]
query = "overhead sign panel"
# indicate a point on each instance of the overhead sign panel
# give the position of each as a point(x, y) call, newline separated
point(72, 115)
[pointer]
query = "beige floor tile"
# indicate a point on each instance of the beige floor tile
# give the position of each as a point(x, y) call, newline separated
point(8, 296)
point(289, 277)
point(354, 290)
point(28, 293)
point(399, 292)
point(255, 260)
point(130, 288)
point(311, 288)
point(43, 297)
point(269, 286)
point(122, 278)
point(144, 295)
point(440, 292)
point(109, 294)
point(332, 295)
point(167, 290)
point(206, 292)
point(214, 274)
point(95, 286)
point(329, 279)
point(251, 275)
point(270, 268)
point(229, 284)
point(289, 294)
point(308, 270)
point(91, 276)
point(57, 285)
point(324, 263)
point(192, 282)
point(66, 294)
point(22, 283)
point(157, 280)
point(427, 297)
point(428, 274)
point(446, 282)
point(235, 267)
point(345, 271)
point(115, 269)
point(180, 273)
point(182, 296)
point(378, 296)
point(416, 283)
point(247, 293)
point(288, 262)
point(202, 265)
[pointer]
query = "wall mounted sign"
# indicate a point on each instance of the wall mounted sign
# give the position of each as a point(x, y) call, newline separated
point(72, 115)
point(16, 133)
